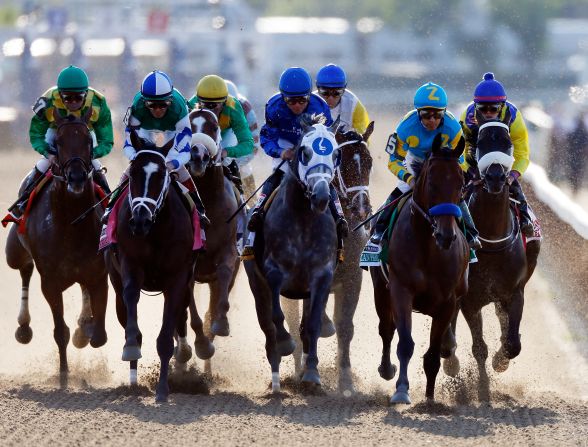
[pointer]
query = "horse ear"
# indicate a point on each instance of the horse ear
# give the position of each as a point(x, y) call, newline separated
point(135, 140)
point(305, 122)
point(459, 148)
point(57, 117)
point(87, 115)
point(436, 143)
point(507, 116)
point(368, 132)
point(479, 117)
point(333, 127)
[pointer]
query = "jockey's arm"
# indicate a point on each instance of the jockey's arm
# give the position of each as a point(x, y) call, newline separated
point(397, 153)
point(128, 149)
point(253, 126)
point(520, 141)
point(269, 136)
point(240, 127)
point(179, 154)
point(38, 130)
point(103, 130)
point(463, 164)
point(360, 118)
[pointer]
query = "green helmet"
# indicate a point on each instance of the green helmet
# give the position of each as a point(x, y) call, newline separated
point(72, 79)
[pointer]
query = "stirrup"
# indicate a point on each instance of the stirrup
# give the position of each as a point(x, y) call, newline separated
point(342, 227)
point(527, 228)
point(340, 255)
point(248, 254)
point(255, 220)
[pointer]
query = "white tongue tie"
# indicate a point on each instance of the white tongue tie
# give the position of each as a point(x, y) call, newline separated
point(495, 157)
point(206, 141)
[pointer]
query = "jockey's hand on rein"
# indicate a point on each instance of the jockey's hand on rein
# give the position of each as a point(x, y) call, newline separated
point(287, 154)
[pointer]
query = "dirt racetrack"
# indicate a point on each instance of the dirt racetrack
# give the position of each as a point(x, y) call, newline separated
point(542, 399)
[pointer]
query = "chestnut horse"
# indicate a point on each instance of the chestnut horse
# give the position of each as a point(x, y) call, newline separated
point(427, 265)
point(63, 253)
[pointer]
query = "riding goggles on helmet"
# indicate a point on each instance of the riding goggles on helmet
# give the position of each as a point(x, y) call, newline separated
point(155, 104)
point(427, 114)
point(291, 100)
point(72, 96)
point(210, 105)
point(488, 108)
point(334, 92)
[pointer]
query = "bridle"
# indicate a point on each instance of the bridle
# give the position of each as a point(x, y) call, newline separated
point(88, 168)
point(352, 193)
point(144, 201)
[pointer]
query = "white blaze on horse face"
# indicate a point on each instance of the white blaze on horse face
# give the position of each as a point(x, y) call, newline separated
point(150, 168)
point(198, 122)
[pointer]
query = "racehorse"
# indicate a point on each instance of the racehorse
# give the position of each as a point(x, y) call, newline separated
point(63, 253)
point(295, 251)
point(504, 266)
point(219, 265)
point(154, 253)
point(427, 264)
point(352, 184)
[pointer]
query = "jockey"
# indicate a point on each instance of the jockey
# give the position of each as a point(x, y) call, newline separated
point(212, 94)
point(159, 108)
point(412, 140)
point(490, 101)
point(331, 84)
point(72, 96)
point(282, 132)
point(228, 139)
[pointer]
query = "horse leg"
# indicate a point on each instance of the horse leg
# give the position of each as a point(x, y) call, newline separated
point(18, 258)
point(432, 358)
point(509, 315)
point(131, 292)
point(291, 310)
point(54, 297)
point(182, 351)
point(448, 347)
point(532, 254)
point(346, 299)
point(220, 324)
point(474, 320)
point(98, 299)
point(285, 344)
point(402, 317)
point(319, 293)
point(203, 346)
point(82, 334)
point(386, 325)
point(176, 300)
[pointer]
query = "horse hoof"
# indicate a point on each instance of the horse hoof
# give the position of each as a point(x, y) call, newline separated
point(87, 327)
point(500, 362)
point(80, 339)
point(400, 397)
point(346, 382)
point(182, 353)
point(311, 376)
point(286, 347)
point(133, 379)
point(131, 353)
point(387, 372)
point(98, 339)
point(204, 349)
point(451, 366)
point(23, 334)
point(161, 398)
point(327, 328)
point(276, 382)
point(220, 327)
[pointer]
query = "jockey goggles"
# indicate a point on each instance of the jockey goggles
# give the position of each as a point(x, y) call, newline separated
point(488, 108)
point(154, 104)
point(334, 92)
point(427, 114)
point(72, 96)
point(291, 100)
point(210, 105)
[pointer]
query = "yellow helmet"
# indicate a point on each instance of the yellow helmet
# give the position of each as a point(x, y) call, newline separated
point(212, 88)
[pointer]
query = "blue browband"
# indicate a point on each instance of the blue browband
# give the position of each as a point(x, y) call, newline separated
point(445, 209)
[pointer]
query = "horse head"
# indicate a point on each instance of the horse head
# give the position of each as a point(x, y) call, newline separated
point(494, 152)
point(317, 157)
point(353, 175)
point(149, 182)
point(206, 135)
point(438, 189)
point(73, 142)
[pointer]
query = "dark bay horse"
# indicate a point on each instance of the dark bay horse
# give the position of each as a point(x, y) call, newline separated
point(154, 253)
point(427, 264)
point(295, 252)
point(352, 184)
point(63, 253)
point(504, 266)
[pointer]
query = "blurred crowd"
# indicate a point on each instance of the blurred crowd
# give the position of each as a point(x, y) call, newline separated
point(568, 150)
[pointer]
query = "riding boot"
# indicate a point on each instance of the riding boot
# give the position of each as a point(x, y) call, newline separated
point(193, 192)
point(235, 175)
point(471, 232)
point(384, 217)
point(256, 219)
point(100, 179)
point(29, 184)
point(526, 222)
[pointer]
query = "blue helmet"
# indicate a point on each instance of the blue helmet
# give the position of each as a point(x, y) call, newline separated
point(331, 76)
point(430, 95)
point(156, 85)
point(489, 90)
point(295, 81)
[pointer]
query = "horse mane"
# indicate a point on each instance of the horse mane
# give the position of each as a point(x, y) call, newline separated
point(307, 119)
point(417, 166)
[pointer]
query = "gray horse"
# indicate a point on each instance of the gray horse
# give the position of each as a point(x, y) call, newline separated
point(295, 252)
point(352, 184)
